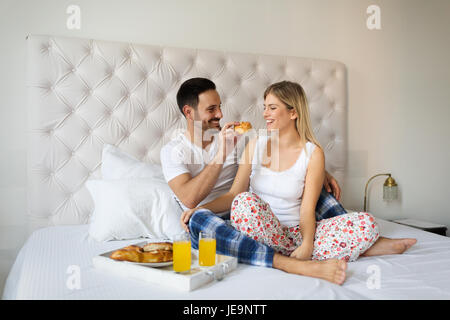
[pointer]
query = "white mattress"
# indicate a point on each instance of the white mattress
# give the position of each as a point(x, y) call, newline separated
point(40, 272)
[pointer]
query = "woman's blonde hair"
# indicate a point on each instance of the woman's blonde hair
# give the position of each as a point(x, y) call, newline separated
point(294, 97)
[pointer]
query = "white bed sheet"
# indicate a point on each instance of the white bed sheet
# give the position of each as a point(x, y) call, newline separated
point(41, 272)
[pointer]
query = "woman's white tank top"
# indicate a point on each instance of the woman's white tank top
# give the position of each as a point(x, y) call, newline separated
point(281, 190)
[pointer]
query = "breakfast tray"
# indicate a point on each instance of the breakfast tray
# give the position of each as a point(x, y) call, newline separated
point(191, 280)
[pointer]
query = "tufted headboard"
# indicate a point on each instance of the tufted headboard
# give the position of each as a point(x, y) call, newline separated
point(83, 93)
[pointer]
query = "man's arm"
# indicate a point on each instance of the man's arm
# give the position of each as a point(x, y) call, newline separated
point(332, 186)
point(191, 191)
point(240, 184)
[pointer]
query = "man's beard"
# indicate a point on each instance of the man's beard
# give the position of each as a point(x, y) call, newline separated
point(212, 125)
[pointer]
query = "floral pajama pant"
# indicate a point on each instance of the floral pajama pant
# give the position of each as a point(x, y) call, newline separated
point(344, 237)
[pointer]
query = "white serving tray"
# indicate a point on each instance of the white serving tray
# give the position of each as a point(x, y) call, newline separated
point(195, 278)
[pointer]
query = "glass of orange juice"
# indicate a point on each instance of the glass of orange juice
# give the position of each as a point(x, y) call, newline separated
point(207, 249)
point(182, 252)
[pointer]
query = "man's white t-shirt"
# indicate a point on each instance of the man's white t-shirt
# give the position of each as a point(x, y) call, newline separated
point(181, 156)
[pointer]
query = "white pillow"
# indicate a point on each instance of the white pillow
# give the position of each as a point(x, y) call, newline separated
point(133, 208)
point(117, 164)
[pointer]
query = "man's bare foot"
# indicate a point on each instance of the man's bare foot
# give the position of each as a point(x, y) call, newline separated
point(332, 270)
point(389, 246)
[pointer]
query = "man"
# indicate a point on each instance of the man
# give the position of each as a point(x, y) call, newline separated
point(200, 164)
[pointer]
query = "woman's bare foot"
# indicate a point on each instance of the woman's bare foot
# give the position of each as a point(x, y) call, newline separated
point(331, 270)
point(389, 246)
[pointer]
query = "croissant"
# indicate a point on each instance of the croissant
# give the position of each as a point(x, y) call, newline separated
point(126, 255)
point(243, 127)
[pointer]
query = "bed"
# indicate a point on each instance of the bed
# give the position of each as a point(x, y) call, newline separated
point(41, 271)
point(84, 93)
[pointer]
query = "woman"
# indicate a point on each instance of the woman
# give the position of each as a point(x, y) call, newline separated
point(276, 188)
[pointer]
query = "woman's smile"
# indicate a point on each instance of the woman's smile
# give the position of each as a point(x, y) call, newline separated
point(269, 122)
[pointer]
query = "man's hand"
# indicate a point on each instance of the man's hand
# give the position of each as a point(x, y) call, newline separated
point(332, 186)
point(228, 139)
point(303, 252)
point(185, 216)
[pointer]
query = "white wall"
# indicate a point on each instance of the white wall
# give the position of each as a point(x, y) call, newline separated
point(399, 77)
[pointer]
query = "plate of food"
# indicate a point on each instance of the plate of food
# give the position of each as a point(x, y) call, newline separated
point(154, 254)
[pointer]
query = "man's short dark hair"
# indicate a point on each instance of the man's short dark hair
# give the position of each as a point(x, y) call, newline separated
point(191, 89)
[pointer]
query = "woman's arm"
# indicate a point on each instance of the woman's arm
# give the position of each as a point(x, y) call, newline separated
point(315, 175)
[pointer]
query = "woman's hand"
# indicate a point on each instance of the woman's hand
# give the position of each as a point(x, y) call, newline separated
point(185, 216)
point(303, 252)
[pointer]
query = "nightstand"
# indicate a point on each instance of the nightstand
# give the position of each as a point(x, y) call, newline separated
point(423, 225)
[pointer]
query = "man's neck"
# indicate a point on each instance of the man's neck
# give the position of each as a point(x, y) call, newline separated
point(196, 136)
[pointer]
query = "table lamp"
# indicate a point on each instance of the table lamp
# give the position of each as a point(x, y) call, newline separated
point(390, 189)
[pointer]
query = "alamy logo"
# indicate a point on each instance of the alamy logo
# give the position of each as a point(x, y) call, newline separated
point(74, 20)
point(374, 280)
point(73, 281)
point(179, 154)
point(374, 20)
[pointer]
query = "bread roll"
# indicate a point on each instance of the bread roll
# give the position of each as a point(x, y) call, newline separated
point(158, 246)
point(156, 256)
point(133, 248)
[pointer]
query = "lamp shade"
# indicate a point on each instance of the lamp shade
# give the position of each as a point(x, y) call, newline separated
point(390, 189)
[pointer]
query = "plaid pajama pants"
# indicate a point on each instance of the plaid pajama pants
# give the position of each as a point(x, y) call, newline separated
point(231, 242)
